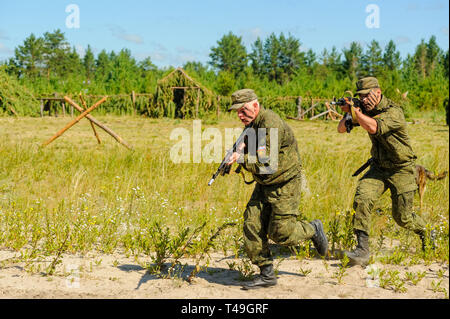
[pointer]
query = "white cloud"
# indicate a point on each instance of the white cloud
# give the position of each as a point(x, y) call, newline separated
point(4, 49)
point(433, 6)
point(80, 50)
point(444, 30)
point(402, 39)
point(3, 35)
point(122, 34)
point(250, 35)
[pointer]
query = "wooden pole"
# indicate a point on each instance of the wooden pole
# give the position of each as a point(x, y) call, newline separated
point(196, 104)
point(103, 127)
point(336, 113)
point(92, 124)
point(133, 99)
point(218, 106)
point(299, 108)
point(75, 121)
point(55, 105)
point(319, 115)
point(330, 114)
point(42, 108)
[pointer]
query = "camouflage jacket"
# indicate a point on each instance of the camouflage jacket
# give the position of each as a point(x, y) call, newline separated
point(272, 161)
point(391, 145)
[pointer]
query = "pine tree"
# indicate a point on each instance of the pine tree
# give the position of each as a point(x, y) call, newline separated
point(229, 55)
point(89, 63)
point(391, 57)
point(352, 62)
point(28, 58)
point(371, 62)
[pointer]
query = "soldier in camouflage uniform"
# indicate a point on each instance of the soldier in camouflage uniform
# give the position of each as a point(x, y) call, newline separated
point(393, 166)
point(273, 207)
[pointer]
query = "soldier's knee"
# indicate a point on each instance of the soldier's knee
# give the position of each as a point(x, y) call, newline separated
point(280, 230)
point(362, 204)
point(251, 231)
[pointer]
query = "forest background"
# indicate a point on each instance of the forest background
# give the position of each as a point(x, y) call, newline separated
point(275, 66)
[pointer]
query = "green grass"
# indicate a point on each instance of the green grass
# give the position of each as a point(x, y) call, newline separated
point(76, 195)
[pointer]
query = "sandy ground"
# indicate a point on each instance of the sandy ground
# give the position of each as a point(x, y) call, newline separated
point(115, 276)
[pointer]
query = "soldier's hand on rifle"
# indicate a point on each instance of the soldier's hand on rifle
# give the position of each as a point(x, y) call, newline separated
point(235, 156)
point(345, 107)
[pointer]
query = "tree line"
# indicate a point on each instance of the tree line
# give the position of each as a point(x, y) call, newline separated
point(274, 66)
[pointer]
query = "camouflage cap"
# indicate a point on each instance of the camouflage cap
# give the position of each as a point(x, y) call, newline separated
point(240, 97)
point(364, 85)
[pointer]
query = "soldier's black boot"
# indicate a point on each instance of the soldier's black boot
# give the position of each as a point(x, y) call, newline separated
point(428, 239)
point(266, 278)
point(319, 239)
point(361, 254)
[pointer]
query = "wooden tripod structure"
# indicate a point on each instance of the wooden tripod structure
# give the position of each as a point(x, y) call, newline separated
point(85, 113)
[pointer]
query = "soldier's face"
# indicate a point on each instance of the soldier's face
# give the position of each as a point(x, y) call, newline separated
point(248, 112)
point(371, 99)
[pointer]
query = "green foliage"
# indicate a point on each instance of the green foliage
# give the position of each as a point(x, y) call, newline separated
point(275, 66)
point(230, 54)
point(15, 98)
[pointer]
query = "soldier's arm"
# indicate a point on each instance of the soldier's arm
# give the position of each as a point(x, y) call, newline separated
point(391, 120)
point(366, 122)
point(341, 126)
point(261, 161)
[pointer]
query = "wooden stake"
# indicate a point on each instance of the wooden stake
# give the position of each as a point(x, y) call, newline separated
point(103, 127)
point(133, 100)
point(196, 104)
point(330, 114)
point(299, 108)
point(75, 121)
point(319, 115)
point(92, 124)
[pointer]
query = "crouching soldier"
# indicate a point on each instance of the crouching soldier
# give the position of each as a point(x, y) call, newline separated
point(272, 210)
point(392, 166)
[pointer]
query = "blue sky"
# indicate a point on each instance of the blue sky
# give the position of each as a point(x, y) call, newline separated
point(172, 32)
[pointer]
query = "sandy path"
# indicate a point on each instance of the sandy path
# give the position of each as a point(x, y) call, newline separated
point(115, 276)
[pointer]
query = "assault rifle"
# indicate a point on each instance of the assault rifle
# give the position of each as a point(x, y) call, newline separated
point(349, 117)
point(223, 167)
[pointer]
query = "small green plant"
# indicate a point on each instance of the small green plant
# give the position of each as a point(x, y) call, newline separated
point(415, 278)
point(396, 258)
point(325, 264)
point(244, 267)
point(342, 269)
point(390, 279)
point(436, 287)
point(304, 272)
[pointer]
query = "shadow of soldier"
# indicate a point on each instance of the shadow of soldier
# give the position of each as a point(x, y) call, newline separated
point(188, 273)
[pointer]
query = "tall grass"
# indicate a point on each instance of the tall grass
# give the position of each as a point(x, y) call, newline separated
point(78, 196)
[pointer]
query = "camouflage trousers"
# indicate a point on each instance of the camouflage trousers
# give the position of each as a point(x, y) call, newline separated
point(402, 185)
point(272, 212)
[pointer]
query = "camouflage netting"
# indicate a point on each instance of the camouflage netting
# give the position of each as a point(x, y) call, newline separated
point(15, 99)
point(119, 104)
point(179, 96)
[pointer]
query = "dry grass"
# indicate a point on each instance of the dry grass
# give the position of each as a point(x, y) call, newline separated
point(77, 196)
